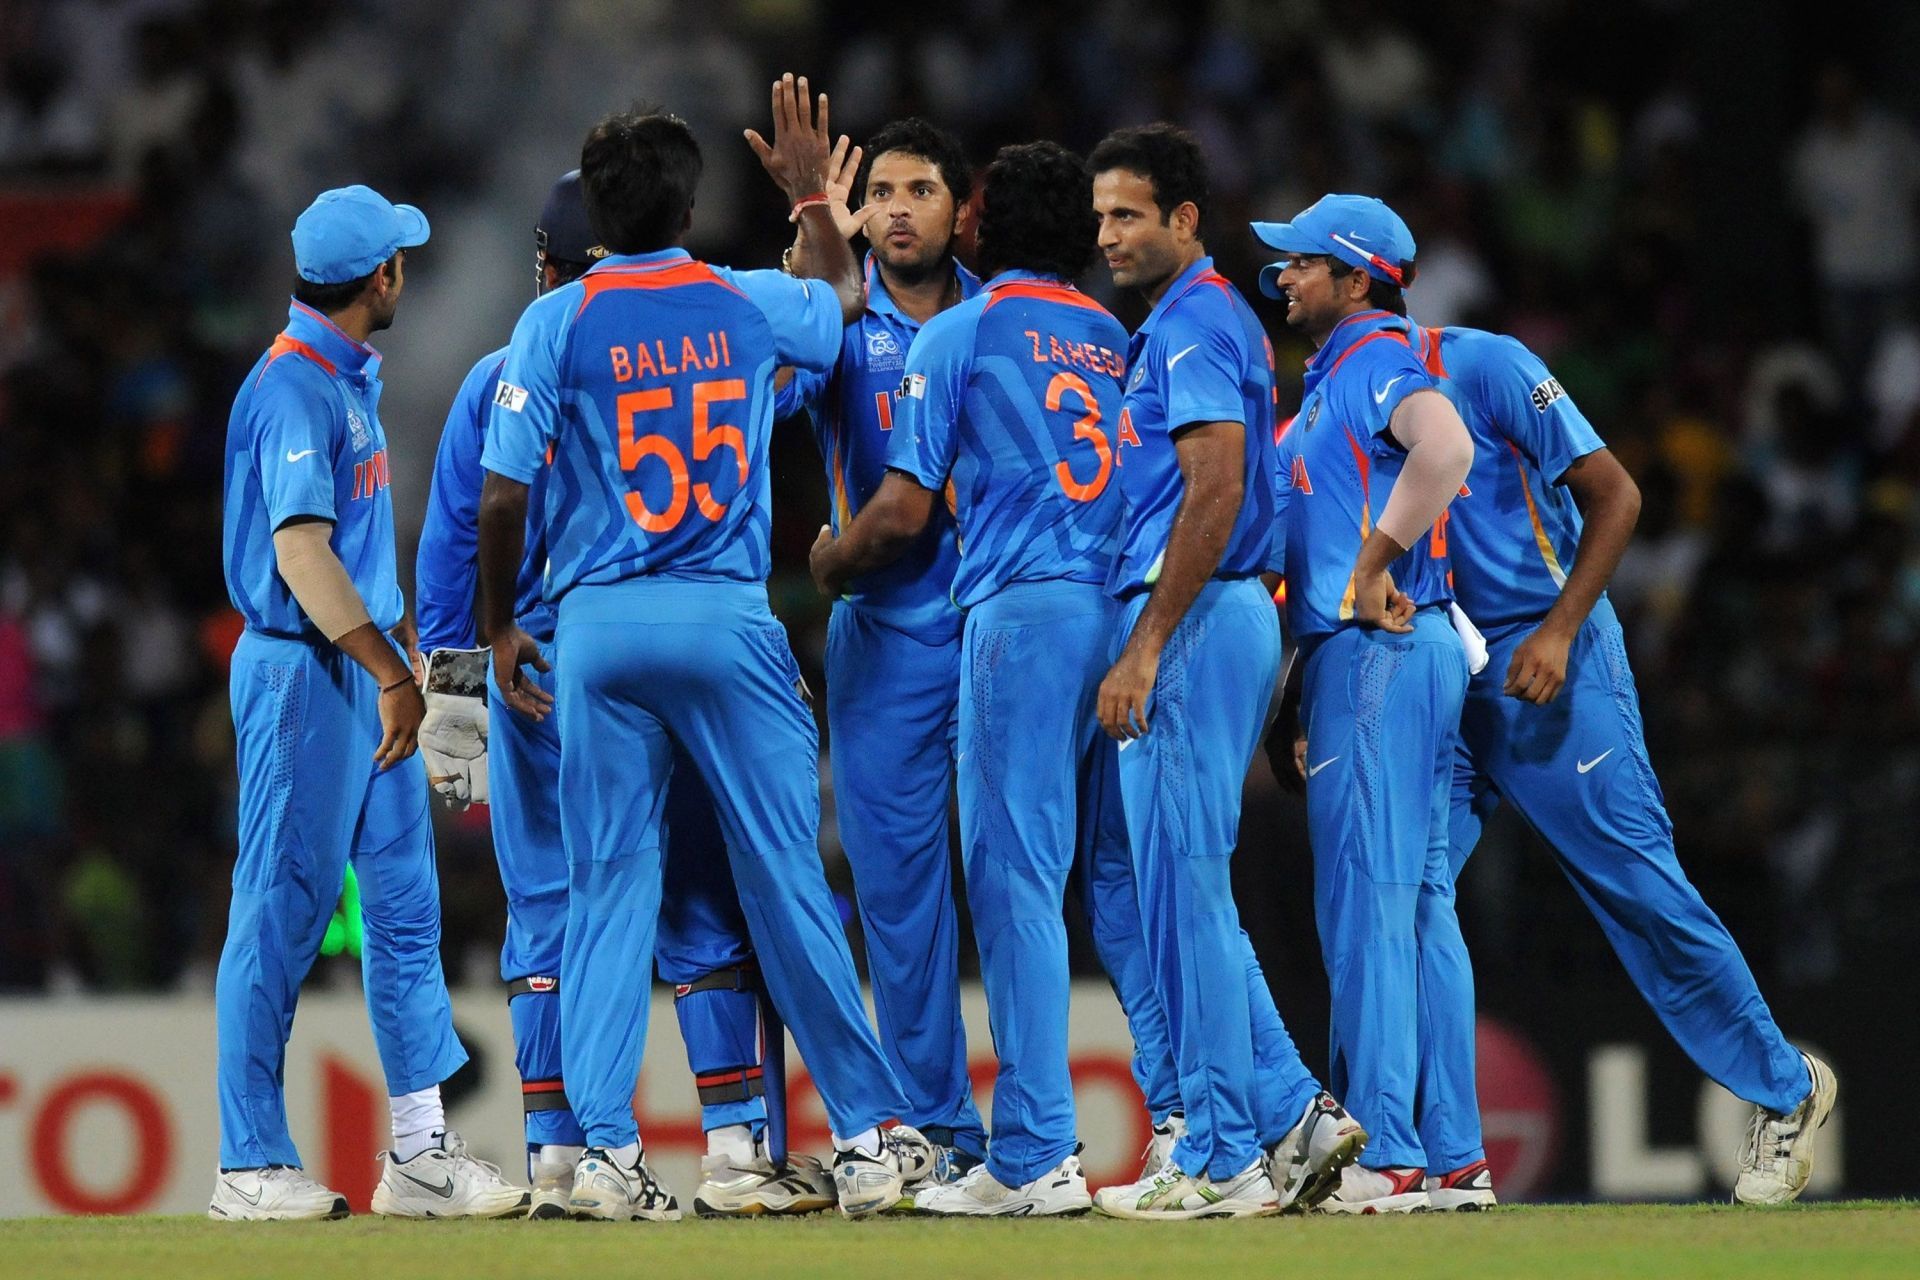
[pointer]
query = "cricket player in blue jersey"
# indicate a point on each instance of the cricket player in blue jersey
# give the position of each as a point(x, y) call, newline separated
point(1197, 654)
point(1366, 472)
point(702, 947)
point(1012, 397)
point(325, 715)
point(651, 381)
point(893, 644)
point(1552, 727)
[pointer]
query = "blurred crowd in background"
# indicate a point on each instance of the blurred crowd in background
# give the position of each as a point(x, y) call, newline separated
point(1714, 248)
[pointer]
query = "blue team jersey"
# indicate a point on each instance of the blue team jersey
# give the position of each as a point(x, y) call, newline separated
point(1336, 465)
point(1012, 395)
point(852, 408)
point(1512, 535)
point(652, 379)
point(304, 439)
point(446, 569)
point(1201, 356)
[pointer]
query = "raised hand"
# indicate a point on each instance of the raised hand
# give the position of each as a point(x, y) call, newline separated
point(801, 151)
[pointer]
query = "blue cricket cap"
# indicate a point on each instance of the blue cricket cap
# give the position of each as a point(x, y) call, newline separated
point(1359, 230)
point(348, 231)
point(563, 232)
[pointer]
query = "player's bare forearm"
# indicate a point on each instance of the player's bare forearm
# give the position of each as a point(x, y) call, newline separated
point(1212, 469)
point(1376, 553)
point(831, 259)
point(503, 528)
point(369, 646)
point(1609, 503)
point(879, 535)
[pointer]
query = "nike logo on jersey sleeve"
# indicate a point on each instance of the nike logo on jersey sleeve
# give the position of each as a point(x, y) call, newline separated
point(1380, 396)
point(1314, 769)
point(304, 453)
point(1177, 356)
point(1585, 766)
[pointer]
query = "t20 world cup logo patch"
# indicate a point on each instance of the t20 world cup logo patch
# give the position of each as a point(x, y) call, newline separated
point(883, 351)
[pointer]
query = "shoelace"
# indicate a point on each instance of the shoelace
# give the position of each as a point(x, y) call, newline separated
point(1756, 1153)
point(456, 1148)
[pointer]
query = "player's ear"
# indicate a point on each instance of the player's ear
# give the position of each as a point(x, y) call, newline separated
point(962, 216)
point(1186, 219)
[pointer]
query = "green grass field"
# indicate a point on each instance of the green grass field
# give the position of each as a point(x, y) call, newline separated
point(1854, 1241)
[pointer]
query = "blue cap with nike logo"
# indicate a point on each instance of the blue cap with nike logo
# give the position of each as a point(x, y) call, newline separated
point(348, 231)
point(1359, 230)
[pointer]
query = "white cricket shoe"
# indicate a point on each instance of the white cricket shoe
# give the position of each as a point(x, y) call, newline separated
point(552, 1186)
point(729, 1190)
point(1160, 1145)
point(1059, 1192)
point(1465, 1190)
point(1776, 1161)
point(873, 1183)
point(1305, 1165)
point(1173, 1195)
point(605, 1191)
point(446, 1182)
point(279, 1194)
point(1369, 1191)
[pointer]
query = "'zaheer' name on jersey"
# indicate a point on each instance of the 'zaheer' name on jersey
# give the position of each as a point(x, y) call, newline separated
point(1334, 462)
point(1024, 442)
point(304, 441)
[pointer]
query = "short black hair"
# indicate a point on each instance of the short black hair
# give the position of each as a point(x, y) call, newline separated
point(332, 299)
point(638, 171)
point(1382, 295)
point(1037, 212)
point(1167, 156)
point(918, 137)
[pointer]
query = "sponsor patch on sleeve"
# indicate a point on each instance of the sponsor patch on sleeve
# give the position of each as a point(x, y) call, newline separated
point(1546, 393)
point(514, 399)
point(914, 386)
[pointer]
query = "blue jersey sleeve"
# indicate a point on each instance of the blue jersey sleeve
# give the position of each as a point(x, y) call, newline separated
point(1532, 409)
point(1201, 372)
point(926, 434)
point(804, 314)
point(1282, 495)
point(804, 391)
point(1388, 373)
point(447, 565)
point(295, 439)
point(525, 414)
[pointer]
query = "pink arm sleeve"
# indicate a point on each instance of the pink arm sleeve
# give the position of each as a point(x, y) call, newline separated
point(1439, 454)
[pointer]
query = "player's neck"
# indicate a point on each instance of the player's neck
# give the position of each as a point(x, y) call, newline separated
point(922, 297)
point(1191, 254)
point(1319, 336)
point(356, 322)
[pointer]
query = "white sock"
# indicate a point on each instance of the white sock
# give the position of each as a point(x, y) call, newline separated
point(626, 1156)
point(866, 1142)
point(734, 1141)
point(419, 1121)
point(560, 1155)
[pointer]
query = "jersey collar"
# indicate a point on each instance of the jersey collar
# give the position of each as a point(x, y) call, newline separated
point(1182, 284)
point(1343, 338)
point(344, 353)
point(659, 257)
point(881, 303)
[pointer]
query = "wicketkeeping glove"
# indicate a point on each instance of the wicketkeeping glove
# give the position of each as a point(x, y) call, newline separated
point(453, 737)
